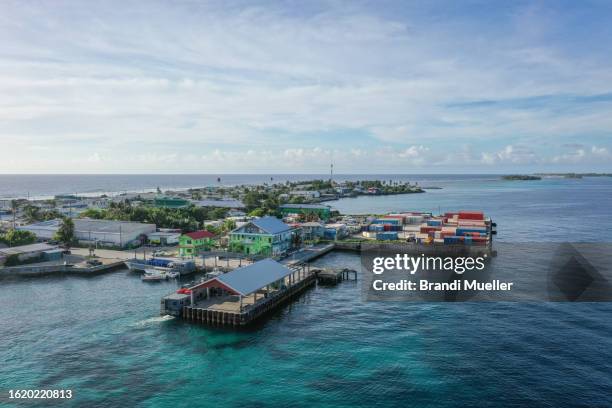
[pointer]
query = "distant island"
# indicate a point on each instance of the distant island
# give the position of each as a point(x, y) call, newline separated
point(574, 175)
point(521, 177)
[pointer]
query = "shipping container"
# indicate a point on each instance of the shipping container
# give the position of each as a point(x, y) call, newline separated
point(428, 229)
point(463, 230)
point(386, 236)
point(471, 215)
point(413, 219)
point(453, 240)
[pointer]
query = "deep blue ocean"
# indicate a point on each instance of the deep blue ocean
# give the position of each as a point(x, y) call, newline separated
point(102, 336)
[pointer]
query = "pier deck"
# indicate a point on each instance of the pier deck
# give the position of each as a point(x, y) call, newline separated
point(237, 310)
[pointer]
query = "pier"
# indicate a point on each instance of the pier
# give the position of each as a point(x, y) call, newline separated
point(239, 297)
point(334, 276)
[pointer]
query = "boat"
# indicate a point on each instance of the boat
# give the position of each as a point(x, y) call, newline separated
point(153, 275)
point(214, 273)
point(173, 274)
point(184, 267)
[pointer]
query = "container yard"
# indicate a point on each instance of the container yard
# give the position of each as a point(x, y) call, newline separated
point(450, 228)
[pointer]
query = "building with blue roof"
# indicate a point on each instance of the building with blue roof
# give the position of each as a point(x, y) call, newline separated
point(266, 236)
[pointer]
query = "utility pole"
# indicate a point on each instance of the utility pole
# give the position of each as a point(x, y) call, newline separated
point(331, 172)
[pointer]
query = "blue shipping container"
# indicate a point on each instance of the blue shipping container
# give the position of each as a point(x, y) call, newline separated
point(387, 221)
point(462, 231)
point(386, 236)
point(434, 223)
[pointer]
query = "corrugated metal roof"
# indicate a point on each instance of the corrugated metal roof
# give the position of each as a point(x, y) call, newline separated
point(251, 278)
point(219, 203)
point(24, 249)
point(306, 206)
point(200, 234)
point(271, 225)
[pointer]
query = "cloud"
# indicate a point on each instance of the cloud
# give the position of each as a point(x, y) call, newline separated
point(514, 154)
point(159, 87)
point(580, 155)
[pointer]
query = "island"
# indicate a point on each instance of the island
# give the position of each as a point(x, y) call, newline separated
point(522, 177)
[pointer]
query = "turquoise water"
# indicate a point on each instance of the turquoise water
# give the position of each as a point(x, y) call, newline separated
point(102, 336)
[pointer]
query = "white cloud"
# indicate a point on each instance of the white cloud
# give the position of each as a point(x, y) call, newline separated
point(245, 87)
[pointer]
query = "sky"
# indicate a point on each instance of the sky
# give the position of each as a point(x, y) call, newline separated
point(292, 86)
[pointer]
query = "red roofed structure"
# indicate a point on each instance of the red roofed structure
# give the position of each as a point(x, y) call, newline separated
point(200, 234)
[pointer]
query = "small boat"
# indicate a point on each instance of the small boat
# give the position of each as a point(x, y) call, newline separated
point(173, 274)
point(214, 273)
point(153, 275)
point(165, 264)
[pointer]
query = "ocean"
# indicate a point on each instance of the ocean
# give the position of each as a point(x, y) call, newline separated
point(102, 337)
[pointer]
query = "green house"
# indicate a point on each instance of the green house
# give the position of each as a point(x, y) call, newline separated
point(321, 211)
point(267, 236)
point(193, 244)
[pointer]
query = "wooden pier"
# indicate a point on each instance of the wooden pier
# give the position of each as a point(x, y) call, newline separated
point(334, 276)
point(237, 310)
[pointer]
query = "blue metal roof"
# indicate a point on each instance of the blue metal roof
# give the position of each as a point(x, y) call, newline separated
point(251, 278)
point(271, 225)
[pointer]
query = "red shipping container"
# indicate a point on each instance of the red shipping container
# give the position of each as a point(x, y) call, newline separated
point(428, 229)
point(471, 215)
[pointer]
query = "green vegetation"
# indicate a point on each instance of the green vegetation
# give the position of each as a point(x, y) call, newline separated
point(260, 201)
point(35, 214)
point(187, 219)
point(65, 233)
point(318, 185)
point(521, 177)
point(17, 237)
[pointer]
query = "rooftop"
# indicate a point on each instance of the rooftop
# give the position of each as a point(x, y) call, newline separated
point(311, 224)
point(309, 206)
point(24, 249)
point(219, 203)
point(111, 226)
point(271, 225)
point(251, 278)
point(200, 234)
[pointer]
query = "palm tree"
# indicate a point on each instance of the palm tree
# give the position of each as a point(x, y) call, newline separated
point(32, 213)
point(14, 208)
point(65, 233)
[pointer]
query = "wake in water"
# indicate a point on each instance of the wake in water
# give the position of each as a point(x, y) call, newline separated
point(154, 320)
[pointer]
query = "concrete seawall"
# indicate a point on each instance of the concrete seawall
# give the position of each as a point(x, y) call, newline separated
point(33, 270)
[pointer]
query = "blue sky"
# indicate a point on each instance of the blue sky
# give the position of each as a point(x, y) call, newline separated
point(288, 87)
